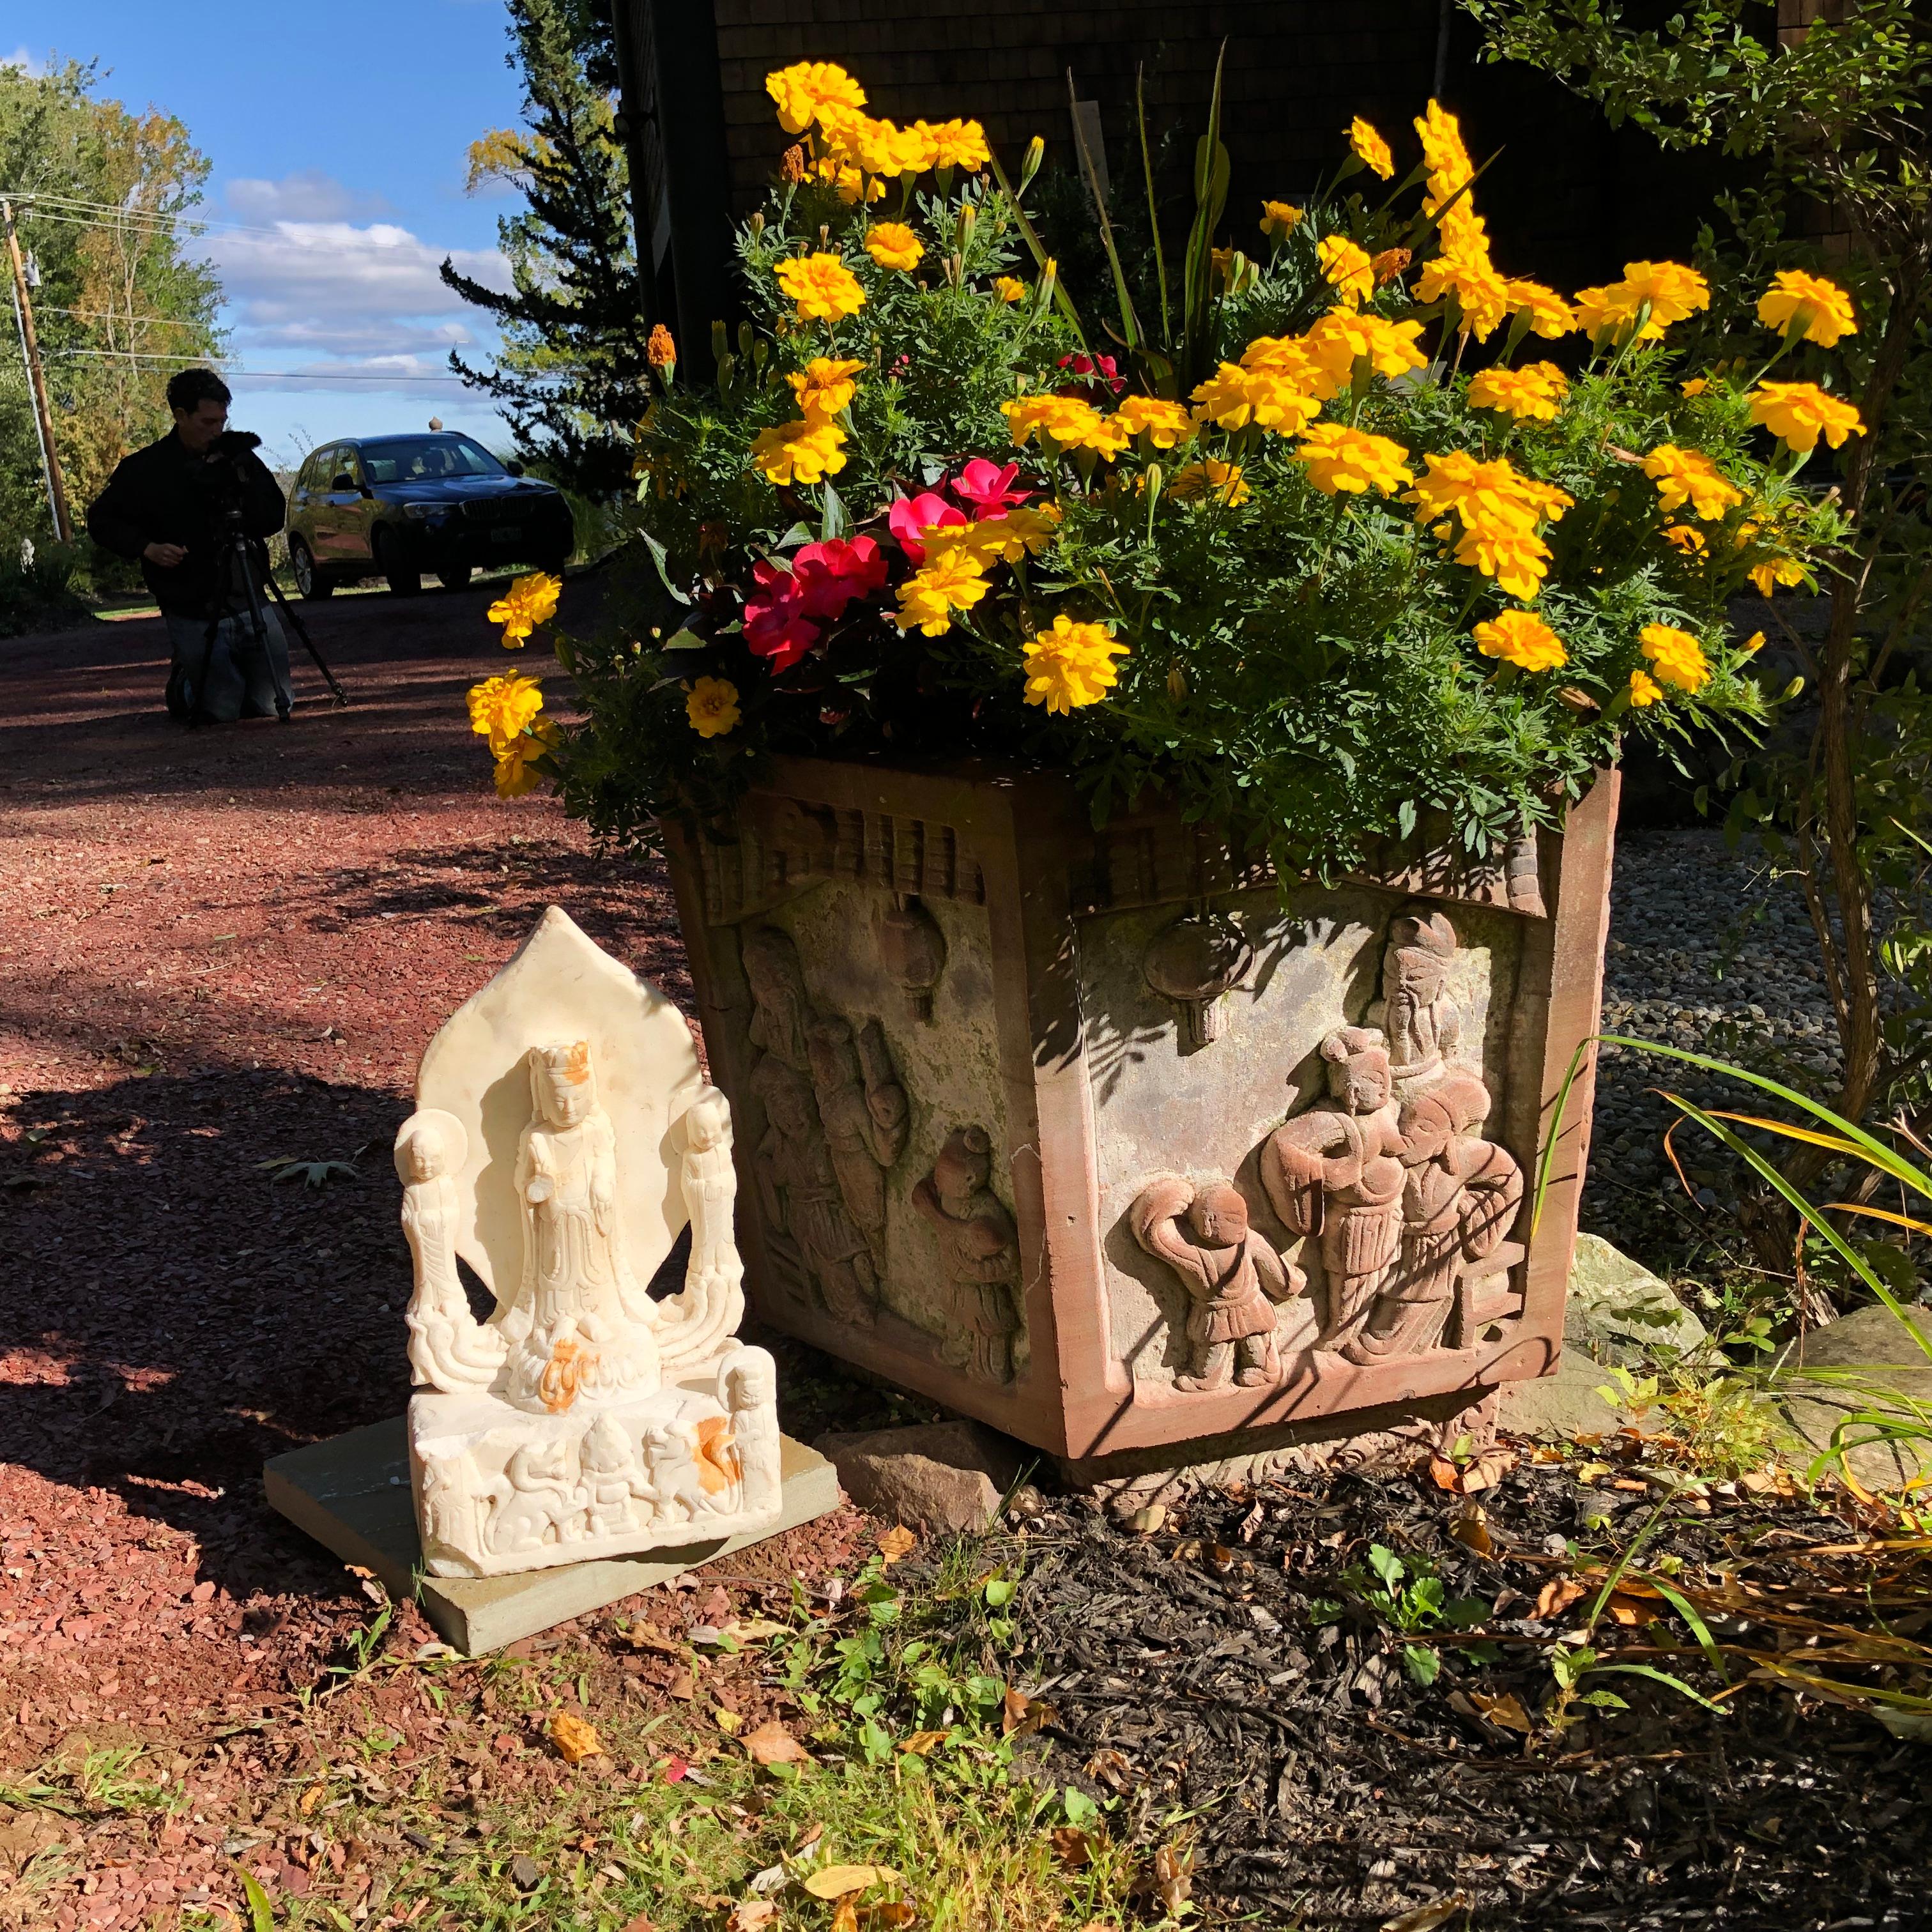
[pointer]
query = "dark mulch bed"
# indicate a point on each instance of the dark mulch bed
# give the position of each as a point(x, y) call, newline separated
point(1320, 1786)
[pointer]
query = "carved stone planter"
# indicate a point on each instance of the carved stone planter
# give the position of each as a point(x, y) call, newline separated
point(1084, 1134)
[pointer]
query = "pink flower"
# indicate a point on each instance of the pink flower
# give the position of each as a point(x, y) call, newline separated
point(830, 574)
point(926, 512)
point(1095, 368)
point(987, 487)
point(775, 623)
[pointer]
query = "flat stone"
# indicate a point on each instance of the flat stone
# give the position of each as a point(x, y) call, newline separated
point(351, 1494)
point(1619, 1312)
point(1891, 1373)
point(1562, 1406)
point(945, 1476)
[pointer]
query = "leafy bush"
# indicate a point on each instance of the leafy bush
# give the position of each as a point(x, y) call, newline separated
point(1327, 545)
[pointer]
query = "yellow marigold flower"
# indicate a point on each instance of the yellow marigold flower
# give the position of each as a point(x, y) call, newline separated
point(661, 352)
point(1288, 356)
point(1769, 574)
point(1066, 421)
point(1677, 656)
point(1444, 155)
point(1687, 537)
point(1023, 531)
point(1511, 552)
point(1339, 339)
point(1370, 149)
point(1210, 477)
point(893, 245)
point(1549, 315)
point(1234, 397)
point(853, 183)
point(1464, 234)
point(1493, 494)
point(916, 148)
point(824, 385)
point(1689, 476)
point(1352, 461)
point(529, 601)
point(501, 708)
point(954, 580)
point(1522, 638)
point(821, 287)
point(803, 91)
point(1696, 386)
point(1672, 291)
point(1644, 690)
point(712, 705)
point(1348, 267)
point(960, 144)
point(1533, 392)
point(799, 452)
point(516, 760)
point(1481, 294)
point(1808, 306)
point(1164, 423)
point(1071, 664)
point(1280, 219)
point(1799, 413)
point(1009, 288)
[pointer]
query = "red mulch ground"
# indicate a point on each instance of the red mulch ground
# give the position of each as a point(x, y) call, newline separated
point(222, 947)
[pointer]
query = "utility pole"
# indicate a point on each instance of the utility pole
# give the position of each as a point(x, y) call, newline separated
point(30, 347)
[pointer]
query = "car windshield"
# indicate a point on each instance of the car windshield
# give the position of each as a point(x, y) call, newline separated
point(417, 459)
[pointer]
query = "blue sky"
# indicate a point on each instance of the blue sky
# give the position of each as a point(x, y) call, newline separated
point(338, 137)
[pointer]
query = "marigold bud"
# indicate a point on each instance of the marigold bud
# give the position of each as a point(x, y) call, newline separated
point(1389, 264)
point(792, 167)
point(661, 352)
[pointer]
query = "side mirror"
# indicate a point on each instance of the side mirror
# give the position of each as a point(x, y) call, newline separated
point(515, 468)
point(340, 483)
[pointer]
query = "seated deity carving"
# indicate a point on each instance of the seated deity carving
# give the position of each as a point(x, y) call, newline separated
point(1422, 1024)
point(1233, 1277)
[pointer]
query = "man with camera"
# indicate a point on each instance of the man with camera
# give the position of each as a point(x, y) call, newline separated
point(196, 508)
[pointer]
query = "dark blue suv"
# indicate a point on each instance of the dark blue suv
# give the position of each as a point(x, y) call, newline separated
point(397, 506)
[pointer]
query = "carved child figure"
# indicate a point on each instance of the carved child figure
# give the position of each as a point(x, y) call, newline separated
point(449, 1348)
point(1334, 1172)
point(979, 1253)
point(1232, 1273)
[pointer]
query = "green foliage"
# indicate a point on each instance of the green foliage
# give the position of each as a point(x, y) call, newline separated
point(571, 375)
point(118, 286)
point(1300, 667)
point(1410, 1597)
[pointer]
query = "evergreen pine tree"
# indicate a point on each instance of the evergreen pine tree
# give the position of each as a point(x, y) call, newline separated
point(571, 375)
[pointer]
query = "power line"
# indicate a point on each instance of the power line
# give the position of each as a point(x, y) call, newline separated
point(258, 375)
point(114, 315)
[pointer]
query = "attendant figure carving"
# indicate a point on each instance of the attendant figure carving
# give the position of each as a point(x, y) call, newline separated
point(750, 1393)
point(979, 1254)
point(580, 1322)
point(449, 1348)
point(1334, 1172)
point(781, 1012)
point(802, 1198)
point(1460, 1196)
point(1232, 1275)
point(863, 1112)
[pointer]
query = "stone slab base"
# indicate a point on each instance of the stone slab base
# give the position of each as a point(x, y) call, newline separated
point(351, 1494)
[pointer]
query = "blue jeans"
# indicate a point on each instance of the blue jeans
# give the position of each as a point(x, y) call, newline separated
point(245, 680)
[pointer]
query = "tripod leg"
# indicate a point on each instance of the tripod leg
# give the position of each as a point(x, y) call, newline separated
point(329, 677)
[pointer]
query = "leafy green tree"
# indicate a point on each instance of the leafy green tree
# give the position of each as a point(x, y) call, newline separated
point(102, 191)
point(571, 375)
point(1830, 109)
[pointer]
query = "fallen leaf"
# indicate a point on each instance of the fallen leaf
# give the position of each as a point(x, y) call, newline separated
point(1471, 1529)
point(729, 1722)
point(1630, 1611)
point(1147, 1521)
point(897, 1542)
point(1111, 1768)
point(1016, 1717)
point(809, 1837)
point(835, 1881)
point(1427, 1917)
point(1506, 1710)
point(311, 1798)
point(1487, 1470)
point(573, 1738)
point(1557, 1595)
point(1251, 1523)
point(648, 1636)
point(889, 1914)
point(673, 1771)
point(1443, 1473)
point(1071, 1847)
point(923, 1743)
point(643, 1922)
point(771, 1743)
point(526, 1874)
point(846, 1917)
point(751, 1915)
point(1588, 1472)
point(683, 1686)
point(754, 1630)
point(1171, 1879)
point(770, 1880)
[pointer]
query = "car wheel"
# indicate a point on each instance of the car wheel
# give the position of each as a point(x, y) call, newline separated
point(310, 584)
point(454, 577)
point(402, 579)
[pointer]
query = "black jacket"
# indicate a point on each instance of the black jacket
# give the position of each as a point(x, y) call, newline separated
point(166, 494)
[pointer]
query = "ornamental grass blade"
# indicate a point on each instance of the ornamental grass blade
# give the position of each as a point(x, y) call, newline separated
point(1153, 205)
point(1699, 1629)
point(1036, 248)
point(1130, 325)
point(1657, 1676)
point(1881, 1214)
point(1211, 168)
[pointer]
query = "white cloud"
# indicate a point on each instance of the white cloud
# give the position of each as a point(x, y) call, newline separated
point(26, 62)
point(307, 195)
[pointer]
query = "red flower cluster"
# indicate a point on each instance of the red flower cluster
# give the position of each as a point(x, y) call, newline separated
point(1096, 370)
point(783, 617)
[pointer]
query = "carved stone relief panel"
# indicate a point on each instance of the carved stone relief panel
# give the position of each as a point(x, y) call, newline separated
point(882, 1144)
point(1374, 1221)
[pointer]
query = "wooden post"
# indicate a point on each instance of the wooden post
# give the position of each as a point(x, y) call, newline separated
point(37, 381)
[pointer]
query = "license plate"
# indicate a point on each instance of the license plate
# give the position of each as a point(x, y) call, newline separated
point(506, 533)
